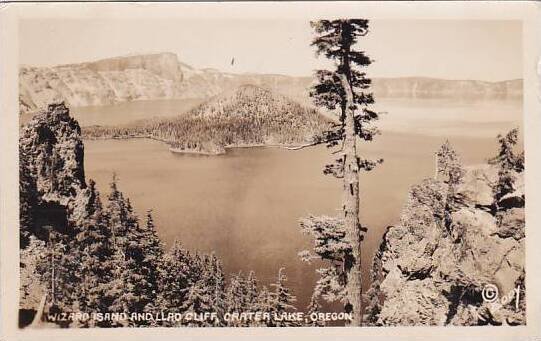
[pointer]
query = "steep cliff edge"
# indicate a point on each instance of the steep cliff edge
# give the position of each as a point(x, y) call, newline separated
point(442, 266)
point(103, 82)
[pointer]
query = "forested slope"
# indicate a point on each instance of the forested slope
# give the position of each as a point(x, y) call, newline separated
point(248, 115)
point(84, 254)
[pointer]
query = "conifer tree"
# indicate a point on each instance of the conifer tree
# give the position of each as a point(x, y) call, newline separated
point(139, 251)
point(282, 301)
point(94, 252)
point(118, 215)
point(266, 305)
point(251, 292)
point(151, 265)
point(234, 293)
point(242, 295)
point(213, 280)
point(345, 89)
point(63, 274)
point(449, 170)
point(176, 278)
point(448, 166)
point(330, 245)
point(509, 163)
point(199, 299)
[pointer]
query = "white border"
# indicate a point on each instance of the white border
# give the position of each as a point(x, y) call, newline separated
point(10, 14)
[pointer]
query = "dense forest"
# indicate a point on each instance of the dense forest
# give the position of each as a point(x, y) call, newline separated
point(85, 260)
point(248, 115)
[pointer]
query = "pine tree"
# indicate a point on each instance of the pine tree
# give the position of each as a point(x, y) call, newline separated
point(176, 279)
point(201, 293)
point(116, 211)
point(346, 88)
point(242, 295)
point(448, 166)
point(198, 300)
point(138, 252)
point(266, 305)
point(151, 265)
point(449, 170)
point(252, 292)
point(509, 163)
point(234, 298)
point(213, 279)
point(62, 276)
point(94, 251)
point(330, 245)
point(282, 301)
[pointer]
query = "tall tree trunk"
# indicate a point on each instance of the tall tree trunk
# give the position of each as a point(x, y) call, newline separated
point(351, 209)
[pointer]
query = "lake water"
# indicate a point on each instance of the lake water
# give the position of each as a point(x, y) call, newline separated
point(127, 112)
point(245, 205)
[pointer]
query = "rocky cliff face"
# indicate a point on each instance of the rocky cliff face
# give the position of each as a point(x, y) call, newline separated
point(52, 144)
point(433, 275)
point(53, 188)
point(102, 82)
point(162, 76)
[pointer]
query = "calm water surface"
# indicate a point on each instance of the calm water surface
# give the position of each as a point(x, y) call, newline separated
point(245, 205)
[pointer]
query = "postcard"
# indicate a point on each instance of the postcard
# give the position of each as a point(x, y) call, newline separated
point(247, 169)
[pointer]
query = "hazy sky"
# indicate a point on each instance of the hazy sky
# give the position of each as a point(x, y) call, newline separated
point(452, 49)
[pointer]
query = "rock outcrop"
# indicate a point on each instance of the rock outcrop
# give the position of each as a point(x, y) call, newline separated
point(162, 76)
point(52, 143)
point(444, 272)
point(54, 192)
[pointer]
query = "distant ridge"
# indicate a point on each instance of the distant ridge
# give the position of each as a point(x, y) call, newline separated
point(163, 76)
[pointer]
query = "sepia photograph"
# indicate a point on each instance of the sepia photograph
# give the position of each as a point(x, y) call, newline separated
point(244, 171)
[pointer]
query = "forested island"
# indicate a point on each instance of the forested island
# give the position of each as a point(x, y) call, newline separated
point(246, 116)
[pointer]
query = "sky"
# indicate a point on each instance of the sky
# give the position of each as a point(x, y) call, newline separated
point(451, 49)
